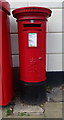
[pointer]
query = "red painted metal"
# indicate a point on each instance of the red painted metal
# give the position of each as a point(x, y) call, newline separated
point(6, 82)
point(32, 59)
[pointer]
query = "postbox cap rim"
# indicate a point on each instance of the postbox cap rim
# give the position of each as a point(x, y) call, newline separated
point(5, 6)
point(31, 9)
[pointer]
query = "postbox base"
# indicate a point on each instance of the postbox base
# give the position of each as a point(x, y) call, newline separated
point(33, 93)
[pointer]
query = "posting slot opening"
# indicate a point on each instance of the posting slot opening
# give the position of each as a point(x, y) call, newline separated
point(32, 25)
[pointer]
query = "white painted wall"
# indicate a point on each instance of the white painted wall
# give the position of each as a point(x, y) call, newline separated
point(54, 51)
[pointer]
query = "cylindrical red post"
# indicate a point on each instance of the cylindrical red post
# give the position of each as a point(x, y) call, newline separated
point(32, 50)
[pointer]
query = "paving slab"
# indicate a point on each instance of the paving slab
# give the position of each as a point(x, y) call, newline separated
point(56, 94)
point(24, 108)
point(53, 110)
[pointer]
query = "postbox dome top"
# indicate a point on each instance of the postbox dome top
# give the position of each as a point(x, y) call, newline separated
point(4, 5)
point(35, 10)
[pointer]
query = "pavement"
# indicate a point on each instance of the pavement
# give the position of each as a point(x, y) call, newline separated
point(52, 108)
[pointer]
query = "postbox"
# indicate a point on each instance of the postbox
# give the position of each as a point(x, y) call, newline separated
point(6, 81)
point(32, 49)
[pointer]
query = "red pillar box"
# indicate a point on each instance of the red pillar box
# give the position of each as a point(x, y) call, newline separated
point(6, 83)
point(32, 49)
